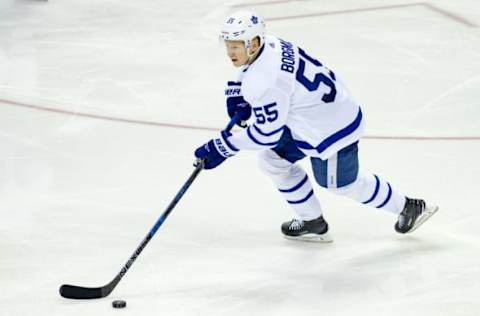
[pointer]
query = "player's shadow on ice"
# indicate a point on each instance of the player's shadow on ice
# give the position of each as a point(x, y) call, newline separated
point(328, 270)
point(393, 265)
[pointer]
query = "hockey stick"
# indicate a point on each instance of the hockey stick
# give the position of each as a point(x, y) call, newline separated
point(80, 292)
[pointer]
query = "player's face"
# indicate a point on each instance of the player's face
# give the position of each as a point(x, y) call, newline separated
point(237, 52)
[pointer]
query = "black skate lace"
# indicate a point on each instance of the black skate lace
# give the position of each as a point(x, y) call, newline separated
point(402, 219)
point(418, 202)
point(296, 224)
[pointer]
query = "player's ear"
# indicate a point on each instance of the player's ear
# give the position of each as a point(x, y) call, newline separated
point(256, 43)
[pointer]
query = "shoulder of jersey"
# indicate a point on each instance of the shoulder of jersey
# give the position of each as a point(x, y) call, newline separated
point(262, 74)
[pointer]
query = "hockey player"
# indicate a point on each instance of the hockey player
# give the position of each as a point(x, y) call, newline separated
point(301, 109)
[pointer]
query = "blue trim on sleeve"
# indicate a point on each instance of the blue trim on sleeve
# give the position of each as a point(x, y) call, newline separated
point(268, 134)
point(389, 195)
point(377, 187)
point(349, 129)
point(229, 144)
point(249, 133)
point(296, 187)
point(302, 200)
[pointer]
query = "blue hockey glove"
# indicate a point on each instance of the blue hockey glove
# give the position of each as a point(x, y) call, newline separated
point(236, 104)
point(216, 151)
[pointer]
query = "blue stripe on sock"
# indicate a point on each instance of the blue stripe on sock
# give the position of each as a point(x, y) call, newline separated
point(377, 187)
point(302, 200)
point(389, 195)
point(296, 187)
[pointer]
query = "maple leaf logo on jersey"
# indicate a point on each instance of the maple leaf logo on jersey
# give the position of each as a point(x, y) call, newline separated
point(254, 19)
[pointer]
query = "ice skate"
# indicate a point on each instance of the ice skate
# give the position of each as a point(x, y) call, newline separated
point(315, 230)
point(414, 214)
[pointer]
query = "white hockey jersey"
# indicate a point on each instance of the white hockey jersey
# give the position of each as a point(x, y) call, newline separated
point(288, 88)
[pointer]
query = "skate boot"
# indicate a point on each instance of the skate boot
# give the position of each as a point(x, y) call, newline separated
point(315, 230)
point(414, 214)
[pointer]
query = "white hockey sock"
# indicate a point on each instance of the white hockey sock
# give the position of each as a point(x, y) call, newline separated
point(298, 192)
point(371, 190)
point(293, 183)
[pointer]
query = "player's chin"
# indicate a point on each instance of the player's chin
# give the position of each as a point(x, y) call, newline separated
point(236, 63)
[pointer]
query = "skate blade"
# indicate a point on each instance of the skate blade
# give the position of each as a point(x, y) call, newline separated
point(323, 238)
point(429, 211)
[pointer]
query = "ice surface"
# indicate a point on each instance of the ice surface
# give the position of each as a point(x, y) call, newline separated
point(78, 193)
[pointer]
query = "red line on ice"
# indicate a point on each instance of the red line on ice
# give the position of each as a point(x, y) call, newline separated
point(205, 128)
point(104, 117)
point(443, 12)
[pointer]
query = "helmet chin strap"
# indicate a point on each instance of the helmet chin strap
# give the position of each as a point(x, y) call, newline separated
point(252, 56)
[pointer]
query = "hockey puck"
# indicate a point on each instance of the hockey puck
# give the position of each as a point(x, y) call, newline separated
point(119, 304)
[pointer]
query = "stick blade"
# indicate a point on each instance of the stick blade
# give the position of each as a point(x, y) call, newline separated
point(81, 293)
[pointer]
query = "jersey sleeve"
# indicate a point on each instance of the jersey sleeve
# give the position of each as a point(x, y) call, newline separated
point(270, 110)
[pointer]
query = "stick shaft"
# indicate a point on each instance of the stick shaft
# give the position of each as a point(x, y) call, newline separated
point(79, 292)
point(157, 225)
point(165, 214)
